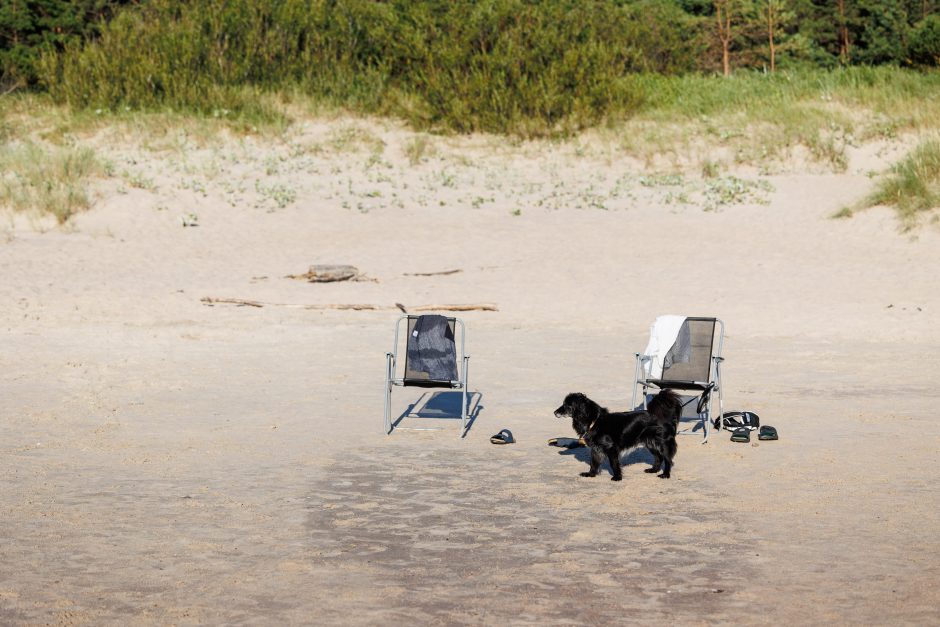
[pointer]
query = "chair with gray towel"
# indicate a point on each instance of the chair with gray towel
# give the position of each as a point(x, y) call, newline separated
point(430, 359)
point(689, 360)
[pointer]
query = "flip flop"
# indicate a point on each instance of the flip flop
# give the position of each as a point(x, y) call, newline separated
point(566, 442)
point(732, 420)
point(741, 435)
point(503, 437)
point(767, 433)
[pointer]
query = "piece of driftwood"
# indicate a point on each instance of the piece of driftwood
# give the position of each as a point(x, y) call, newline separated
point(208, 300)
point(467, 307)
point(441, 273)
point(329, 273)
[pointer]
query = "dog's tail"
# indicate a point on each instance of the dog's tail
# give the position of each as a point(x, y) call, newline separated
point(666, 405)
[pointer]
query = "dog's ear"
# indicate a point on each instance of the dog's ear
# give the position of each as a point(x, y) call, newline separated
point(582, 407)
point(592, 409)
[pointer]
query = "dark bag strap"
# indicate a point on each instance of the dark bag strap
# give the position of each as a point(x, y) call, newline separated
point(703, 399)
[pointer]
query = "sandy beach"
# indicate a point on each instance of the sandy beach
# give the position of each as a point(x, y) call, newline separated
point(170, 462)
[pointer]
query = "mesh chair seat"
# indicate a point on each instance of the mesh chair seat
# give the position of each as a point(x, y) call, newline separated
point(692, 363)
point(430, 359)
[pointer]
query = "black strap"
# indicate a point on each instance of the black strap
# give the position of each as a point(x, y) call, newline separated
point(703, 399)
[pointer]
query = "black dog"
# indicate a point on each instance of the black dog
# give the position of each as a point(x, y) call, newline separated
point(612, 434)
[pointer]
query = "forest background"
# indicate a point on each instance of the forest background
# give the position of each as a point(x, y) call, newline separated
point(494, 65)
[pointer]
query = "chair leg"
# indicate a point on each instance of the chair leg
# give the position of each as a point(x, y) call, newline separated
point(463, 404)
point(388, 400)
point(463, 412)
point(388, 394)
point(721, 403)
point(706, 419)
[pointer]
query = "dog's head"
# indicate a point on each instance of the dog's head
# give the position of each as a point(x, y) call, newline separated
point(582, 411)
point(667, 406)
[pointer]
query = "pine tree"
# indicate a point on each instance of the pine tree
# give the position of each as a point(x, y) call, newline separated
point(17, 23)
point(882, 32)
point(27, 25)
point(773, 16)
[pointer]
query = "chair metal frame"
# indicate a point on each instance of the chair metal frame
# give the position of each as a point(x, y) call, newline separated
point(713, 384)
point(391, 362)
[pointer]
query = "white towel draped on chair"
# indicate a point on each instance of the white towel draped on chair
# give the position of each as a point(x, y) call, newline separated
point(666, 333)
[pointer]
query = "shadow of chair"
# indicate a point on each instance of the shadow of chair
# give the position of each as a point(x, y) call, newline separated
point(431, 406)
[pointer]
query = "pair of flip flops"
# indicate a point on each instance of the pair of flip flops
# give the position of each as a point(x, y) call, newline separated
point(503, 437)
point(743, 434)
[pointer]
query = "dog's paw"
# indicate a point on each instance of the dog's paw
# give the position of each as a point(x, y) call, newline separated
point(588, 474)
point(616, 478)
point(663, 476)
point(651, 470)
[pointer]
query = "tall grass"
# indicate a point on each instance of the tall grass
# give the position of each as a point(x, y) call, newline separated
point(45, 180)
point(495, 65)
point(763, 116)
point(913, 184)
point(506, 66)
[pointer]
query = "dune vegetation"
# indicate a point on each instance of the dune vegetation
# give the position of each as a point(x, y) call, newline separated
point(754, 78)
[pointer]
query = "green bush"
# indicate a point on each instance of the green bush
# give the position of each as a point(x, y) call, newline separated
point(527, 67)
point(495, 65)
point(26, 26)
point(924, 46)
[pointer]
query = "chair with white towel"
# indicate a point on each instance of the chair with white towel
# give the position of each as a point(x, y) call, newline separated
point(684, 354)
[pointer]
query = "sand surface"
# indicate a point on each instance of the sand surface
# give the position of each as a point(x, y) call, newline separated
point(169, 462)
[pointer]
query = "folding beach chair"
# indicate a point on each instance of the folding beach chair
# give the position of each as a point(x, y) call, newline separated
point(430, 360)
point(684, 354)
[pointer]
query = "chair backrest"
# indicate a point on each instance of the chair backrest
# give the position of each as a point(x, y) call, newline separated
point(418, 377)
point(701, 342)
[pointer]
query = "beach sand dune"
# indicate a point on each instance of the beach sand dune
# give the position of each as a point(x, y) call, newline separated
point(170, 462)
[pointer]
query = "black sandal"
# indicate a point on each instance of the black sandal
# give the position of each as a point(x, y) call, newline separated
point(767, 433)
point(503, 437)
point(741, 435)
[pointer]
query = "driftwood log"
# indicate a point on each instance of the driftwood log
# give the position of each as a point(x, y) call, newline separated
point(329, 273)
point(208, 300)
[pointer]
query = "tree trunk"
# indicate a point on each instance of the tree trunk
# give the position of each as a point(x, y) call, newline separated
point(723, 15)
point(16, 34)
point(771, 26)
point(843, 33)
point(773, 53)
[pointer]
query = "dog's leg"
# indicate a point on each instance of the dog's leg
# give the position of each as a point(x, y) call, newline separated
point(667, 468)
point(657, 463)
point(662, 452)
point(667, 452)
point(613, 456)
point(596, 460)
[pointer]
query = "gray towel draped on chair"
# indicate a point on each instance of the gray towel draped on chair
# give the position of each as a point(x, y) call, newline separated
point(431, 348)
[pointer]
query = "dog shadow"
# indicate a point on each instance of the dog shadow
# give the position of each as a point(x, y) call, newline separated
point(442, 405)
point(636, 456)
